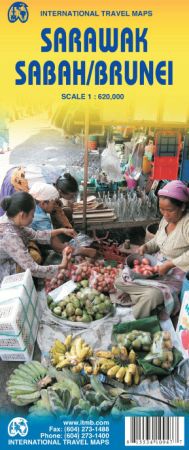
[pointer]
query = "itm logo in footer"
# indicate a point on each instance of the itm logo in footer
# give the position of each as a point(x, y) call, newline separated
point(18, 425)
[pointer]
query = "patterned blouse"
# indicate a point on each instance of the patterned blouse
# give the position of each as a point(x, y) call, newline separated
point(13, 249)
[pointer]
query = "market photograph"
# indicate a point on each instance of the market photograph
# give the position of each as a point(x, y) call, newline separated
point(94, 264)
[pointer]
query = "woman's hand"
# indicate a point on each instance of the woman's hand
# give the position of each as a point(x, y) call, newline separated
point(165, 267)
point(142, 249)
point(68, 231)
point(66, 256)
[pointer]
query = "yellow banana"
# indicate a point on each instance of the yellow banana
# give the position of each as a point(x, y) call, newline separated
point(106, 366)
point(115, 351)
point(128, 378)
point(68, 341)
point(121, 373)
point(132, 369)
point(104, 354)
point(132, 356)
point(59, 346)
point(112, 372)
point(78, 368)
point(136, 376)
point(63, 363)
point(123, 353)
point(88, 369)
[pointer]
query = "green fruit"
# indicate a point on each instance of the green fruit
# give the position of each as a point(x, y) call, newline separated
point(49, 300)
point(64, 315)
point(76, 303)
point(97, 301)
point(136, 344)
point(62, 304)
point(57, 311)
point(86, 318)
point(84, 283)
point(70, 309)
point(98, 316)
point(78, 312)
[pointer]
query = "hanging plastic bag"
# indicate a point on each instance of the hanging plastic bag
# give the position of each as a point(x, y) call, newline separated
point(110, 163)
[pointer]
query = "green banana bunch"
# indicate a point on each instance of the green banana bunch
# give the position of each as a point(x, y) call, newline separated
point(26, 382)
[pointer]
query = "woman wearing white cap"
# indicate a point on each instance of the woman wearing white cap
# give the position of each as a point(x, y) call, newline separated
point(46, 196)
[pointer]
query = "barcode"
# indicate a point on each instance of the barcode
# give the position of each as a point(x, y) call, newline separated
point(154, 430)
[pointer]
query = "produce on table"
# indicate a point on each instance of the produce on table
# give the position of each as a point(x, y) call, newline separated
point(79, 356)
point(103, 279)
point(112, 252)
point(161, 354)
point(136, 340)
point(78, 272)
point(55, 282)
point(105, 275)
point(26, 382)
point(83, 305)
point(144, 267)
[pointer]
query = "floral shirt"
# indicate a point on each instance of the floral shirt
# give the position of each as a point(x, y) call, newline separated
point(13, 250)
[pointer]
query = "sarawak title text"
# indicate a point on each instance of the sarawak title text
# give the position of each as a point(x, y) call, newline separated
point(98, 72)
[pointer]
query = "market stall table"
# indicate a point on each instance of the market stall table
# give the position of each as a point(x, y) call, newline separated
point(116, 224)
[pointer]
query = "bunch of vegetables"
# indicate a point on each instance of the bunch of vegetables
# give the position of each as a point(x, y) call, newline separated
point(103, 278)
point(83, 305)
point(137, 340)
point(161, 354)
point(144, 267)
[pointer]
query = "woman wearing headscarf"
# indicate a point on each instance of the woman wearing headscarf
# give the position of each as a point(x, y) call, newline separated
point(171, 245)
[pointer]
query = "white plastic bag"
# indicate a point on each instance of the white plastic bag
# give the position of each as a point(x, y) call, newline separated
point(110, 163)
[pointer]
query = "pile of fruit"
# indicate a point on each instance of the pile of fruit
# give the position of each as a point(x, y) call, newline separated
point(137, 340)
point(144, 267)
point(103, 278)
point(161, 354)
point(79, 272)
point(67, 394)
point(116, 363)
point(55, 282)
point(83, 305)
point(159, 346)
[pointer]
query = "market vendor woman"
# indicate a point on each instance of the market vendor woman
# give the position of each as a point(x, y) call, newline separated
point(172, 243)
point(15, 236)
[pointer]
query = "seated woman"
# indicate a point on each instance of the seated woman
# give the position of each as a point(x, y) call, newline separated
point(15, 235)
point(46, 196)
point(67, 187)
point(172, 243)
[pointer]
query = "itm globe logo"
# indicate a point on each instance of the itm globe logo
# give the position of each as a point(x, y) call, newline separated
point(18, 425)
point(18, 11)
